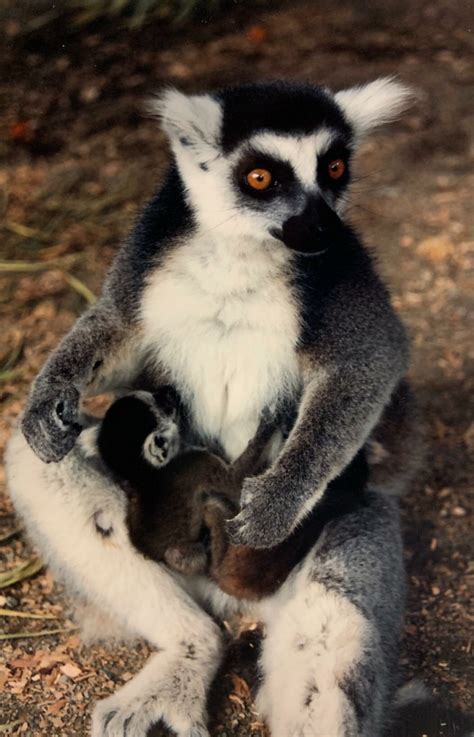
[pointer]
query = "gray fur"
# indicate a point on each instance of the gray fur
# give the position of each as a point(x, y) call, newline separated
point(351, 350)
point(348, 356)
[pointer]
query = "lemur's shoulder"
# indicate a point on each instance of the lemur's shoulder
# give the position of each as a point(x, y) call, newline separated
point(166, 217)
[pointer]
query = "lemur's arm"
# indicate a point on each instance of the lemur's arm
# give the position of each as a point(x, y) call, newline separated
point(85, 362)
point(358, 357)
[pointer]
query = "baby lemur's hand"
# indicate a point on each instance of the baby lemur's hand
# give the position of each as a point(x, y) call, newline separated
point(159, 447)
point(163, 444)
point(51, 421)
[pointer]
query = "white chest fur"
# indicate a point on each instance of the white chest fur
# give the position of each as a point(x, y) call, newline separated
point(221, 320)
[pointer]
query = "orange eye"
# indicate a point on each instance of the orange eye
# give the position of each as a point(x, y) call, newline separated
point(336, 168)
point(259, 179)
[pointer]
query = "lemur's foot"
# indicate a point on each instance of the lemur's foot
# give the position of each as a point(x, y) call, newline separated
point(114, 717)
point(51, 422)
point(217, 507)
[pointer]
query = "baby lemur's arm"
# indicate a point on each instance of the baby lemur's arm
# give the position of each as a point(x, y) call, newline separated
point(354, 360)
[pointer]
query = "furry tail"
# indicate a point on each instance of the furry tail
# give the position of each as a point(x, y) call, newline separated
point(418, 712)
point(413, 692)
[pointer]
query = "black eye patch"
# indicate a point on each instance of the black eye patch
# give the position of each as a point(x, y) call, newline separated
point(338, 151)
point(283, 177)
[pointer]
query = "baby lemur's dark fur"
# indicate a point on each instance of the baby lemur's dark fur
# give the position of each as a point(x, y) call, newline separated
point(178, 505)
point(170, 498)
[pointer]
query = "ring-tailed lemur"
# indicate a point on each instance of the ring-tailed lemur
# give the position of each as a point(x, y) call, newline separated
point(242, 286)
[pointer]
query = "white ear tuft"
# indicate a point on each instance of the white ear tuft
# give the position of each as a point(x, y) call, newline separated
point(375, 103)
point(190, 121)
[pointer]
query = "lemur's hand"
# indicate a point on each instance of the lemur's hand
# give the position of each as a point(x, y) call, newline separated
point(51, 421)
point(266, 517)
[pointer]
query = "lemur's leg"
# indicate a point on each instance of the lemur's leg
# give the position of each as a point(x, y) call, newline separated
point(329, 660)
point(59, 503)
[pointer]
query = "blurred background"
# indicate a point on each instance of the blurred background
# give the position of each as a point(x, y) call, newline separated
point(79, 158)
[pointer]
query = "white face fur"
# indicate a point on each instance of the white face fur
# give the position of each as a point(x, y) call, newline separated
point(194, 124)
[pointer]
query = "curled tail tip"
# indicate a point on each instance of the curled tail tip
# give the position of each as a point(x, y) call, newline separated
point(415, 691)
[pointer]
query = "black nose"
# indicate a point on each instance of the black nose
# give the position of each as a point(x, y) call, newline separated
point(314, 230)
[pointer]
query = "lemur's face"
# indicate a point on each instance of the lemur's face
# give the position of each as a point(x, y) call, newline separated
point(272, 161)
point(292, 187)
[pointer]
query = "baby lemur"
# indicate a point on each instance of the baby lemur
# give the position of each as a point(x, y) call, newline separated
point(180, 498)
point(173, 491)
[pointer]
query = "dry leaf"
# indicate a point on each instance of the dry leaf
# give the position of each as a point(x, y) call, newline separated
point(4, 676)
point(70, 670)
point(57, 706)
point(236, 700)
point(240, 687)
point(73, 642)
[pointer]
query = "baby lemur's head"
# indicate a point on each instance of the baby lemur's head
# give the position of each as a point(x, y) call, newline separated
point(140, 432)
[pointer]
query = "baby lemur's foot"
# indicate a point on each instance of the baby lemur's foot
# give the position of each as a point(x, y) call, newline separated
point(216, 508)
point(187, 558)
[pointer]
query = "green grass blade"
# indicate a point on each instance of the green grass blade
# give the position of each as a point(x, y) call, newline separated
point(25, 615)
point(80, 288)
point(41, 633)
point(20, 573)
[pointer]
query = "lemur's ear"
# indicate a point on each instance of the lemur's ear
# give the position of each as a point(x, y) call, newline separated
point(167, 400)
point(191, 122)
point(373, 104)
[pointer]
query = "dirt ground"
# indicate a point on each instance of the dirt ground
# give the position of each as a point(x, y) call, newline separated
point(79, 159)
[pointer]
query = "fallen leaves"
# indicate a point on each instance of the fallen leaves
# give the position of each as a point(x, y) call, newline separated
point(38, 664)
point(56, 707)
point(240, 687)
point(10, 725)
point(71, 670)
